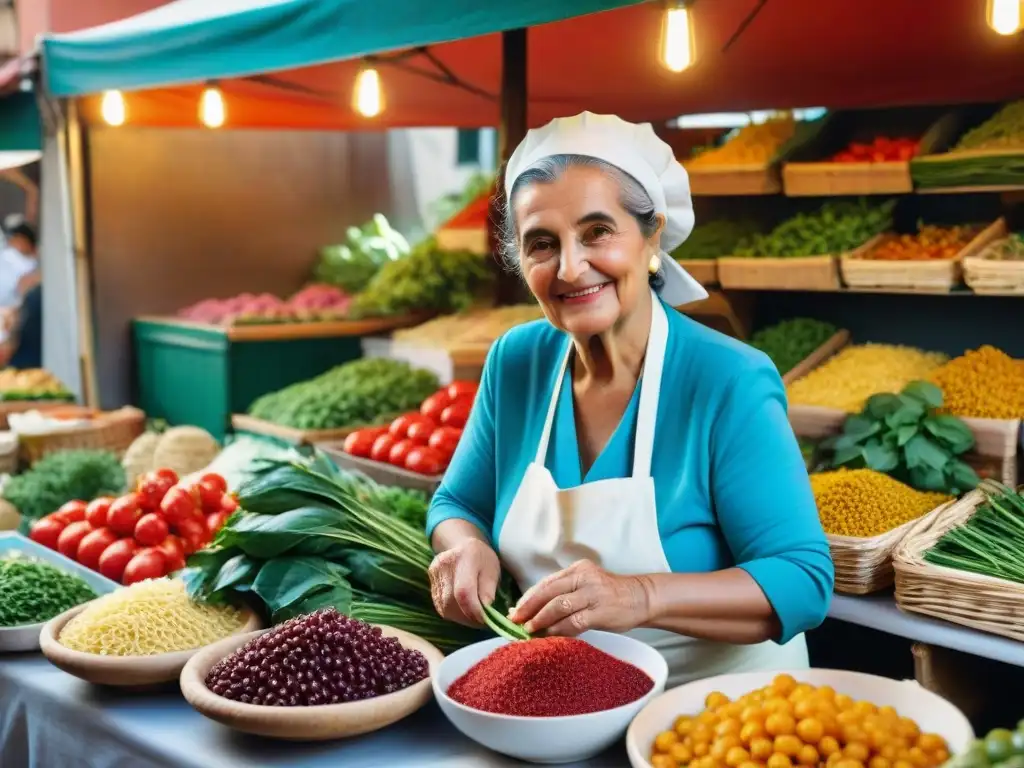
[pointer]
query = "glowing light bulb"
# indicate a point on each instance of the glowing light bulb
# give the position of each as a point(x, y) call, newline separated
point(113, 108)
point(368, 98)
point(212, 111)
point(677, 49)
point(1004, 16)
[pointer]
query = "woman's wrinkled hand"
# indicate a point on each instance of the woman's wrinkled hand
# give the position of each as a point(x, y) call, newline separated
point(463, 579)
point(581, 597)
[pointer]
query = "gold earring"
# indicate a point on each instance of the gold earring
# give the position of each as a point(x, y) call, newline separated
point(655, 264)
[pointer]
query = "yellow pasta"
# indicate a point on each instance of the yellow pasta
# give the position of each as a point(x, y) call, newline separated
point(147, 618)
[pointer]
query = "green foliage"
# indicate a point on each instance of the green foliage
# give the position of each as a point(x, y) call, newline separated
point(717, 238)
point(789, 342)
point(62, 477)
point(836, 227)
point(352, 264)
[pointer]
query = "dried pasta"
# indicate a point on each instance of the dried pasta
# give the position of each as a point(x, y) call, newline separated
point(148, 618)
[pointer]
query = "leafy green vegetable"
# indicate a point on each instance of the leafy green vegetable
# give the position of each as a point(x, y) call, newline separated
point(833, 229)
point(789, 342)
point(717, 238)
point(32, 592)
point(352, 264)
point(62, 477)
point(904, 436)
point(356, 393)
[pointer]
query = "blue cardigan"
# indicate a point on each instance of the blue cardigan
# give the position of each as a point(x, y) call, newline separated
point(730, 482)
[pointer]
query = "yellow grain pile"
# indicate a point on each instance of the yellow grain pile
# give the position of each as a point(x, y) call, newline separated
point(865, 503)
point(983, 383)
point(148, 618)
point(848, 379)
point(755, 144)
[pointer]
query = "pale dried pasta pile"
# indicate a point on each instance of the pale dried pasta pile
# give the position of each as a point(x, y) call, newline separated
point(147, 618)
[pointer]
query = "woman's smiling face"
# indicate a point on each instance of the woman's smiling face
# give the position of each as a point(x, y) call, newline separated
point(583, 255)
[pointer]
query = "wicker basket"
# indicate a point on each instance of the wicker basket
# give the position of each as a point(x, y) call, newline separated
point(704, 271)
point(938, 276)
point(971, 599)
point(113, 431)
point(803, 273)
point(985, 274)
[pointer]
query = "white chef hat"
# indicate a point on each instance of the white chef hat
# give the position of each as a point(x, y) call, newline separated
point(637, 150)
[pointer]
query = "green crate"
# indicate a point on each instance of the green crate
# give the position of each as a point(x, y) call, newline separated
point(190, 374)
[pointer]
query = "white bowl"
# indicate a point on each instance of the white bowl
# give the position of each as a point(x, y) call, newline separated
point(548, 740)
point(931, 712)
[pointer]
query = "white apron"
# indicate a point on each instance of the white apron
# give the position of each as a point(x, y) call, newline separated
point(614, 523)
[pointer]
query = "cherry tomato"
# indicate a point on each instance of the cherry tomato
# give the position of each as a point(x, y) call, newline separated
point(148, 563)
point(174, 553)
point(433, 405)
point(194, 534)
point(116, 557)
point(210, 495)
point(399, 452)
point(46, 531)
point(151, 490)
point(229, 504)
point(217, 481)
point(420, 431)
point(97, 511)
point(150, 530)
point(399, 428)
point(93, 546)
point(178, 505)
point(444, 439)
point(72, 512)
point(456, 414)
point(124, 514)
point(459, 389)
point(382, 448)
point(215, 521)
point(360, 442)
point(424, 461)
point(71, 537)
point(169, 474)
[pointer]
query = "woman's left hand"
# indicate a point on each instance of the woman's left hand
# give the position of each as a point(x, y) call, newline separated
point(584, 596)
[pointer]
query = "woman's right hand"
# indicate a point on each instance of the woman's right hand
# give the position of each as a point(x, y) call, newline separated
point(463, 579)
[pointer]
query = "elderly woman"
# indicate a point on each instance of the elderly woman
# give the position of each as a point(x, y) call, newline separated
point(634, 470)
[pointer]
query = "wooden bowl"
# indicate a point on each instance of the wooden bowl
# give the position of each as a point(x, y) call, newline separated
point(120, 671)
point(319, 723)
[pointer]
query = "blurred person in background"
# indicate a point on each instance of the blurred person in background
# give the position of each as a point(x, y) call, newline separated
point(22, 346)
point(18, 260)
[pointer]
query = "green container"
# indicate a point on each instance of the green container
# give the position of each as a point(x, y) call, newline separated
point(189, 374)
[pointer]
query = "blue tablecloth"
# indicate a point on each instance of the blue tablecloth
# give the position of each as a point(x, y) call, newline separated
point(49, 719)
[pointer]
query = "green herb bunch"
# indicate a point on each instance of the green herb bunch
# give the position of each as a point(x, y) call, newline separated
point(904, 436)
point(62, 477)
point(720, 237)
point(789, 342)
point(352, 264)
point(32, 592)
point(834, 228)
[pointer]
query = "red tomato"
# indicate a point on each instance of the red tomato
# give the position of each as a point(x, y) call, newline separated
point(71, 537)
point(178, 504)
point(148, 563)
point(169, 474)
point(400, 451)
point(228, 504)
point(46, 531)
point(215, 521)
point(174, 553)
point(433, 405)
point(150, 530)
point(459, 389)
point(193, 533)
point(72, 512)
point(217, 481)
point(360, 442)
point(420, 431)
point(210, 495)
point(382, 448)
point(444, 440)
point(116, 557)
point(93, 545)
point(123, 514)
point(424, 461)
point(399, 428)
point(457, 414)
point(151, 490)
point(97, 511)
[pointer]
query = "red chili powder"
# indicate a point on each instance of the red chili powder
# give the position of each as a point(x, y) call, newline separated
point(549, 677)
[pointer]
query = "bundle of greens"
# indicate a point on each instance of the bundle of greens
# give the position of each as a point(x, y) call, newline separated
point(352, 264)
point(789, 342)
point(32, 592)
point(833, 229)
point(719, 237)
point(305, 541)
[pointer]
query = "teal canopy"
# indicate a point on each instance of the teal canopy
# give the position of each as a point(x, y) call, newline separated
point(190, 41)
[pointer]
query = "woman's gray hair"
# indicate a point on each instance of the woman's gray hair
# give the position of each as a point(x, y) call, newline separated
point(632, 197)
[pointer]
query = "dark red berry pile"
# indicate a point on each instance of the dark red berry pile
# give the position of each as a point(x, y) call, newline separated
point(322, 658)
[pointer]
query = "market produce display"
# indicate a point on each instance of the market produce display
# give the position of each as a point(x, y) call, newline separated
point(720, 237)
point(789, 723)
point(353, 394)
point(183, 450)
point(476, 326)
point(144, 534)
point(351, 265)
point(148, 618)
point(833, 229)
point(305, 541)
point(929, 243)
point(423, 441)
point(549, 677)
point(31, 384)
point(1008, 249)
point(789, 342)
point(61, 477)
point(754, 144)
point(314, 302)
point(992, 539)
point(999, 748)
point(906, 437)
point(1004, 130)
point(983, 383)
point(882, 149)
point(864, 503)
point(848, 379)
point(320, 658)
point(32, 592)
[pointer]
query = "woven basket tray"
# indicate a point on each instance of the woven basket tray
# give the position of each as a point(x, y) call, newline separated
point(734, 180)
point(113, 431)
point(985, 274)
point(971, 599)
point(803, 273)
point(864, 566)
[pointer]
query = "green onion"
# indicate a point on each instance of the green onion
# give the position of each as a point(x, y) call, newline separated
point(502, 626)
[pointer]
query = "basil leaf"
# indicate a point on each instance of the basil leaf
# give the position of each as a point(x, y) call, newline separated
point(338, 597)
point(920, 453)
point(925, 392)
point(881, 405)
point(237, 573)
point(963, 475)
point(860, 427)
point(266, 536)
point(950, 431)
point(927, 478)
point(910, 411)
point(880, 457)
point(286, 580)
point(904, 433)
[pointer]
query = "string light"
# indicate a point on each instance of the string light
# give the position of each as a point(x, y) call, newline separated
point(212, 111)
point(113, 108)
point(367, 97)
point(677, 46)
point(1004, 16)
